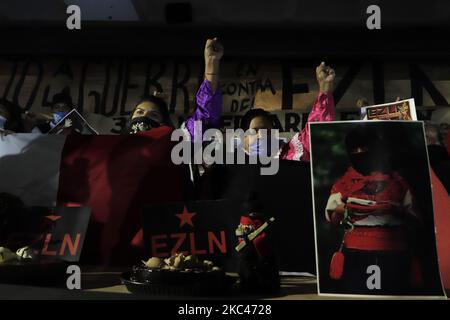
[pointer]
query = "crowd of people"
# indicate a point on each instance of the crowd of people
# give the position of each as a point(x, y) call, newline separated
point(152, 111)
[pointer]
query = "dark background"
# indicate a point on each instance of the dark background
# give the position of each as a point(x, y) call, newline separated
point(270, 28)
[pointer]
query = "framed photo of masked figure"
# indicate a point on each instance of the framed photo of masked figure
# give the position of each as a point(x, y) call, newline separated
point(373, 209)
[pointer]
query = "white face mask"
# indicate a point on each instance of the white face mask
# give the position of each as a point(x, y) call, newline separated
point(2, 122)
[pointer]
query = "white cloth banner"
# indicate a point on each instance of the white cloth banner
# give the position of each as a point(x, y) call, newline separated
point(29, 167)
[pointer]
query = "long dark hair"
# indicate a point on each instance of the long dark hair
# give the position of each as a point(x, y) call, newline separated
point(253, 113)
point(159, 103)
point(14, 122)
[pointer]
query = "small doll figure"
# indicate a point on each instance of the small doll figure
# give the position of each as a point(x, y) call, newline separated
point(258, 270)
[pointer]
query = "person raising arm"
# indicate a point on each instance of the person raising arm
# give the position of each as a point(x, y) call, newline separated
point(298, 147)
point(209, 96)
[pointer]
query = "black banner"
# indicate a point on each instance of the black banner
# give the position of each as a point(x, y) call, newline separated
point(207, 228)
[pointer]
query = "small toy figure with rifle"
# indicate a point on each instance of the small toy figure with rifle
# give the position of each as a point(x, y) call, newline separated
point(258, 270)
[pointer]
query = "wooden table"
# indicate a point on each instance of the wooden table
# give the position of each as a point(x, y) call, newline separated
point(107, 285)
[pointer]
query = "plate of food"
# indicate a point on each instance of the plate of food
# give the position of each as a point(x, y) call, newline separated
point(21, 267)
point(178, 275)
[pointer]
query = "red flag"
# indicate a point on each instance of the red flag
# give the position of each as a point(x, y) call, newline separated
point(441, 203)
point(117, 176)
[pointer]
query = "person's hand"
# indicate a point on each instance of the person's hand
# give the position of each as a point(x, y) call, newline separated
point(213, 50)
point(325, 77)
point(337, 215)
point(362, 102)
point(340, 209)
point(68, 123)
point(213, 54)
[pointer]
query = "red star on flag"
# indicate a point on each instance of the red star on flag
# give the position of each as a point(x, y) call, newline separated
point(186, 217)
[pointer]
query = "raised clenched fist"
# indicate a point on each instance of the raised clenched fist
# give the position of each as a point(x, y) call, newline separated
point(213, 50)
point(325, 77)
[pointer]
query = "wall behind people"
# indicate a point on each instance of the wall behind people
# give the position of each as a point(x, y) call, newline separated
point(111, 86)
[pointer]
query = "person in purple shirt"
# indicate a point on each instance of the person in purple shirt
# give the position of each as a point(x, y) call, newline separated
point(209, 96)
point(152, 111)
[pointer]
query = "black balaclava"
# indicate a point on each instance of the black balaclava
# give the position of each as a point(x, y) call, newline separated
point(253, 206)
point(140, 124)
point(375, 159)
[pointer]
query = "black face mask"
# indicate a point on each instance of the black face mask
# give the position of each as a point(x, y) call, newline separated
point(140, 124)
point(368, 162)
